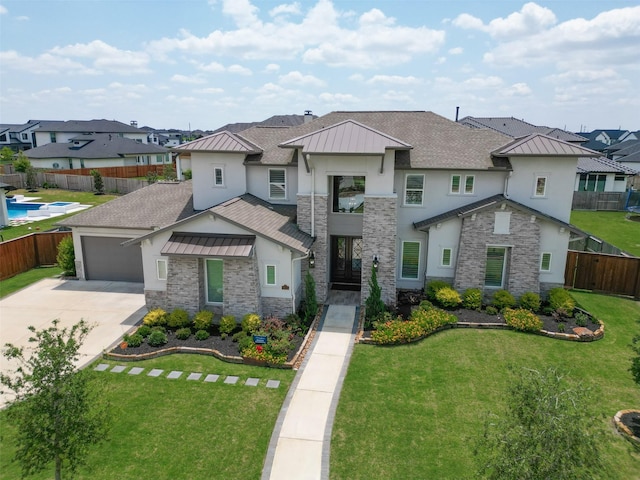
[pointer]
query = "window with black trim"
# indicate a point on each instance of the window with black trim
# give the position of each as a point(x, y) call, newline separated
point(348, 194)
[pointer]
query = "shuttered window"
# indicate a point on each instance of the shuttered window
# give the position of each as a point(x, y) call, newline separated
point(494, 273)
point(545, 262)
point(414, 187)
point(271, 275)
point(215, 281)
point(410, 260)
point(446, 257)
point(277, 183)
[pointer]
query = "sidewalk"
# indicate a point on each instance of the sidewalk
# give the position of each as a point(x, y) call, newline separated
point(301, 441)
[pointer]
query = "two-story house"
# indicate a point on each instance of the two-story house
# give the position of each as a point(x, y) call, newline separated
point(412, 194)
point(60, 131)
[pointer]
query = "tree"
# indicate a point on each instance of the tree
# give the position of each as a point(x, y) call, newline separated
point(66, 257)
point(58, 411)
point(310, 300)
point(169, 172)
point(31, 180)
point(98, 184)
point(6, 155)
point(374, 305)
point(547, 431)
point(21, 163)
point(152, 176)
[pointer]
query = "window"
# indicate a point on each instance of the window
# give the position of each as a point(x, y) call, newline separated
point(413, 190)
point(545, 262)
point(455, 184)
point(541, 186)
point(592, 182)
point(410, 260)
point(270, 275)
point(161, 269)
point(277, 183)
point(25, 136)
point(3, 138)
point(348, 194)
point(620, 178)
point(218, 177)
point(215, 281)
point(469, 180)
point(494, 272)
point(52, 137)
point(445, 260)
point(159, 158)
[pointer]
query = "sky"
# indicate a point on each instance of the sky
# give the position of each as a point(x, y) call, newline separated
point(198, 64)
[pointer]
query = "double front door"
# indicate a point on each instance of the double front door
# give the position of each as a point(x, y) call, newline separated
point(346, 260)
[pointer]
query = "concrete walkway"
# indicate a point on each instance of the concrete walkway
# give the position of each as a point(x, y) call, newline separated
point(300, 444)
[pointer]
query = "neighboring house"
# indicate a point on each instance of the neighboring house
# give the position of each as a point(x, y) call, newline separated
point(600, 174)
point(611, 137)
point(414, 195)
point(516, 128)
point(628, 154)
point(64, 131)
point(97, 150)
point(18, 137)
point(274, 121)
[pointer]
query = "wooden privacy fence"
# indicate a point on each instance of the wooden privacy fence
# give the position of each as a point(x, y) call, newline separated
point(129, 171)
point(76, 182)
point(603, 273)
point(599, 200)
point(24, 253)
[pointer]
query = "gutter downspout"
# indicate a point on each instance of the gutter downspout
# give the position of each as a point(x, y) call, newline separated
point(293, 289)
point(506, 184)
point(313, 203)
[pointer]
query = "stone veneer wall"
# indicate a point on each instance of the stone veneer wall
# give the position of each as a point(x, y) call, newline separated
point(155, 299)
point(181, 290)
point(241, 287)
point(522, 273)
point(320, 246)
point(379, 234)
point(276, 307)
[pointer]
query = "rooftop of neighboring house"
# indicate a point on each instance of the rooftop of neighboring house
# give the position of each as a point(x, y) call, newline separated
point(602, 165)
point(517, 128)
point(102, 145)
point(17, 127)
point(87, 126)
point(274, 121)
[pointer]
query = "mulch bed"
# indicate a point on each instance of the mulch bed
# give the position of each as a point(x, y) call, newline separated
point(226, 347)
point(632, 421)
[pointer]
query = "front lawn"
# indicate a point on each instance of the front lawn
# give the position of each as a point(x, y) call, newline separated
point(414, 411)
point(48, 196)
point(169, 429)
point(18, 282)
point(612, 227)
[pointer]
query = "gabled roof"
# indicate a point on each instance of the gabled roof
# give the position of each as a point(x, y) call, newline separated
point(155, 206)
point(347, 137)
point(517, 128)
point(88, 126)
point(17, 127)
point(274, 121)
point(102, 145)
point(596, 145)
point(625, 148)
point(220, 142)
point(542, 145)
point(485, 204)
point(602, 165)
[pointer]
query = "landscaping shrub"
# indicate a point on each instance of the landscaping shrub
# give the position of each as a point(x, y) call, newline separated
point(503, 299)
point(373, 304)
point(472, 299)
point(561, 302)
point(421, 323)
point(561, 327)
point(261, 352)
point(491, 310)
point(179, 318)
point(521, 319)
point(433, 287)
point(157, 338)
point(296, 324)
point(448, 297)
point(530, 301)
point(202, 335)
point(310, 299)
point(183, 333)
point(155, 317)
point(202, 320)
point(144, 331)
point(227, 324)
point(66, 257)
point(159, 328)
point(239, 336)
point(134, 340)
point(581, 319)
point(251, 323)
point(245, 342)
point(426, 305)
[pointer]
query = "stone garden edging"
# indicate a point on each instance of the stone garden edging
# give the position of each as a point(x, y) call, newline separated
point(622, 428)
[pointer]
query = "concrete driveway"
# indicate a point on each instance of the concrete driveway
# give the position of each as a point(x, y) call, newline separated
point(113, 308)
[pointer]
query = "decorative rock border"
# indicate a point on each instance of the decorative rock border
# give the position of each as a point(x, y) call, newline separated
point(622, 428)
point(215, 353)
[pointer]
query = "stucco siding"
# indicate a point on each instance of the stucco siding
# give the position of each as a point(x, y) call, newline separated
point(206, 193)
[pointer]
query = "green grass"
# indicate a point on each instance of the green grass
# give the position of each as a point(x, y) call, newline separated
point(22, 280)
point(169, 429)
point(612, 227)
point(47, 196)
point(414, 411)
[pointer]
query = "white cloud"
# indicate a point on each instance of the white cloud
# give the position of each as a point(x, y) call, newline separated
point(518, 90)
point(22, 18)
point(456, 51)
point(394, 80)
point(239, 70)
point(286, 9)
point(297, 78)
point(272, 68)
point(3, 10)
point(337, 99)
point(242, 11)
point(210, 90)
point(192, 80)
point(45, 64)
point(213, 67)
point(106, 58)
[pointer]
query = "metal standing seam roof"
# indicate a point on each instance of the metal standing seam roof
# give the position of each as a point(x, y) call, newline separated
point(485, 203)
point(542, 145)
point(347, 137)
point(602, 165)
point(209, 245)
point(220, 142)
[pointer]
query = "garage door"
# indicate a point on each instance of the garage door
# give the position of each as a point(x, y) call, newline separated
point(106, 259)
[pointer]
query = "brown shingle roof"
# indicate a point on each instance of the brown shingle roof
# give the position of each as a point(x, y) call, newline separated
point(157, 205)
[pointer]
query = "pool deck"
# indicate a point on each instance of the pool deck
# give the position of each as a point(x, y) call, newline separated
point(30, 218)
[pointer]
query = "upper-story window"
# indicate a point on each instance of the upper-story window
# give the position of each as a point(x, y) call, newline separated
point(277, 183)
point(218, 176)
point(25, 136)
point(348, 194)
point(457, 187)
point(52, 137)
point(540, 186)
point(3, 138)
point(413, 189)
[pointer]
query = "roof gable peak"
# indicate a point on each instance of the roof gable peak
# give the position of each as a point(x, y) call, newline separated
point(538, 144)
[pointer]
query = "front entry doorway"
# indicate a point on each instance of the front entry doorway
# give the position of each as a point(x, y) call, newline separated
point(346, 262)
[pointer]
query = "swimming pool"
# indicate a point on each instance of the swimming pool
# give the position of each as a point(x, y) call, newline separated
point(20, 210)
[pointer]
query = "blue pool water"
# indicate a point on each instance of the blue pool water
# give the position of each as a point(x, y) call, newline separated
point(59, 204)
point(19, 210)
